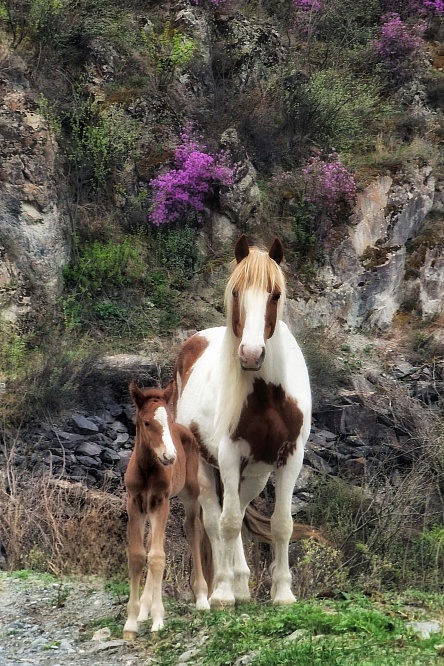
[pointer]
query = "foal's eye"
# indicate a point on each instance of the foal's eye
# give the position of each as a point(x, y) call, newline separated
point(276, 297)
point(147, 423)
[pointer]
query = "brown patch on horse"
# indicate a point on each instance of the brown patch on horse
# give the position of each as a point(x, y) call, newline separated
point(272, 437)
point(191, 350)
point(271, 313)
point(205, 454)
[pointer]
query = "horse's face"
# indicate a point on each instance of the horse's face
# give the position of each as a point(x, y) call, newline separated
point(257, 290)
point(153, 423)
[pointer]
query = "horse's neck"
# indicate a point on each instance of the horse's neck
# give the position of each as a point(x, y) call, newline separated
point(236, 384)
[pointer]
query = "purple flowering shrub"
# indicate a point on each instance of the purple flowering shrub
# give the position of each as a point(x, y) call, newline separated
point(181, 192)
point(328, 184)
point(396, 47)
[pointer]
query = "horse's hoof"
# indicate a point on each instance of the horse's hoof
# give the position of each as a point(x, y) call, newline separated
point(243, 598)
point(284, 601)
point(202, 604)
point(221, 602)
point(129, 635)
point(157, 626)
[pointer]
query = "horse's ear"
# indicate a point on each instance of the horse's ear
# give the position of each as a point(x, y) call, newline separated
point(168, 391)
point(136, 394)
point(276, 251)
point(241, 249)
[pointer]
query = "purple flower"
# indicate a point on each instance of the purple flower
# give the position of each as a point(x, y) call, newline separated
point(328, 184)
point(181, 192)
point(397, 46)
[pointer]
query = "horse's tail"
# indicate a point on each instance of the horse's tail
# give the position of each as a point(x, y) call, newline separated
point(259, 527)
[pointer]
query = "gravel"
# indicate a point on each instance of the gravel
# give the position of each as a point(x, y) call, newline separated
point(44, 622)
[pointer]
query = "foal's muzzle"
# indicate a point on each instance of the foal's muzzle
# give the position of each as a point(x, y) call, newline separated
point(167, 459)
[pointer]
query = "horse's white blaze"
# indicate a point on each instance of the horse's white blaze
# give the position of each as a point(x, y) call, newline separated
point(252, 345)
point(170, 453)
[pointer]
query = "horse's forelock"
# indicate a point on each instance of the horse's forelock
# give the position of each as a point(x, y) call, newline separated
point(258, 271)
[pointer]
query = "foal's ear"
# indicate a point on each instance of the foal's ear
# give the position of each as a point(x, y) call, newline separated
point(241, 249)
point(136, 394)
point(276, 251)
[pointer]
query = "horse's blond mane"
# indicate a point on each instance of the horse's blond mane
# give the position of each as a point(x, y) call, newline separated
point(260, 272)
point(257, 271)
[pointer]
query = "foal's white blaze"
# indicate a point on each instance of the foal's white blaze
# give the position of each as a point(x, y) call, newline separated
point(251, 350)
point(170, 454)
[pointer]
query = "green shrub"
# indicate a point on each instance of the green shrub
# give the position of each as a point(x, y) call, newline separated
point(169, 51)
point(101, 268)
point(99, 141)
point(13, 346)
point(333, 110)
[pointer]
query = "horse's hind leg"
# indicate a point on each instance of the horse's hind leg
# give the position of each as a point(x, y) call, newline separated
point(136, 561)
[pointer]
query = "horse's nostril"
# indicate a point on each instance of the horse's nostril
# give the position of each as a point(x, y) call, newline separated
point(168, 460)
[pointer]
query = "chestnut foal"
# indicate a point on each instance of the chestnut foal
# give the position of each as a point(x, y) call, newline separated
point(164, 463)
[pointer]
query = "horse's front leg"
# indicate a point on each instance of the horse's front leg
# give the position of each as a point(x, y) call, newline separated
point(158, 516)
point(282, 526)
point(230, 524)
point(136, 560)
point(250, 488)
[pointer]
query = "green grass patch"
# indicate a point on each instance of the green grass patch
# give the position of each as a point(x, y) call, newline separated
point(349, 631)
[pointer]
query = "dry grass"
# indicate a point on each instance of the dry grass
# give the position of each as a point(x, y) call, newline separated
point(53, 525)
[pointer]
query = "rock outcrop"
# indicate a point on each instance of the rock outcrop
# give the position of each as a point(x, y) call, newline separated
point(368, 276)
point(34, 239)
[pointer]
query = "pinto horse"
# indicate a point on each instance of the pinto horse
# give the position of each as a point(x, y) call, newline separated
point(244, 392)
point(164, 463)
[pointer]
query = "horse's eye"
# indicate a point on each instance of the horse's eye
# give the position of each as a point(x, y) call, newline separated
point(276, 296)
point(147, 423)
point(234, 293)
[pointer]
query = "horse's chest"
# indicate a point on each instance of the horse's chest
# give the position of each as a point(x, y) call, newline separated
point(270, 422)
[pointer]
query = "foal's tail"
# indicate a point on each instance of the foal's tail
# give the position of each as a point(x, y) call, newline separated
point(259, 527)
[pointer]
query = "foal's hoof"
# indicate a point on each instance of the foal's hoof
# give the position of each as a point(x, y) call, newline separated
point(129, 635)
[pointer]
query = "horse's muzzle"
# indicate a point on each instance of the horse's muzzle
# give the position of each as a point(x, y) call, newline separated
point(251, 357)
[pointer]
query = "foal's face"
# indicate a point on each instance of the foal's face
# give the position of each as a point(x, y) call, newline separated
point(153, 423)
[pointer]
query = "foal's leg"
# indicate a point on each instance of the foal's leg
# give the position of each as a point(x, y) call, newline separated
point(282, 527)
point(147, 595)
point(193, 533)
point(158, 516)
point(136, 560)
